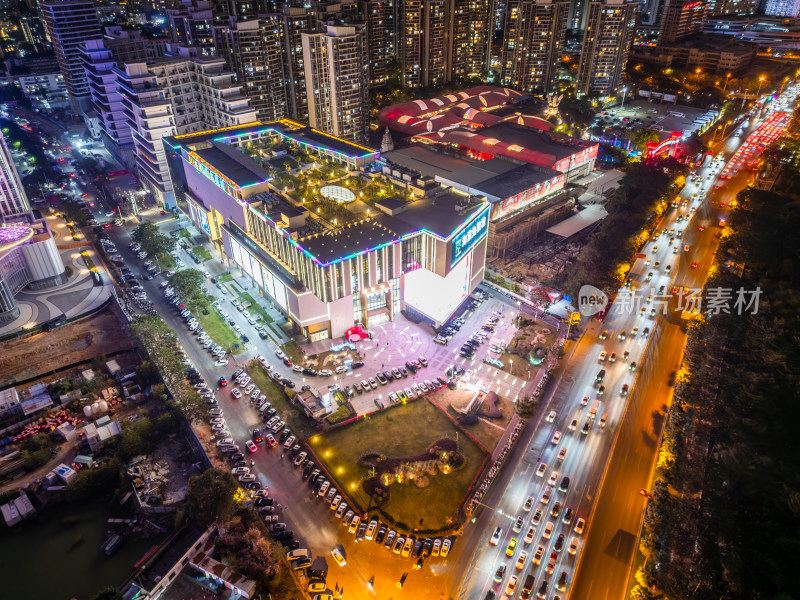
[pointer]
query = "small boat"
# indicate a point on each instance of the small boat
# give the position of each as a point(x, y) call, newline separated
point(112, 543)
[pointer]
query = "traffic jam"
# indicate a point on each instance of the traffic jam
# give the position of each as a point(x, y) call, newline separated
point(747, 154)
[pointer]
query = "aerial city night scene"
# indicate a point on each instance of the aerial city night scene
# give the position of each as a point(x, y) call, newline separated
point(399, 299)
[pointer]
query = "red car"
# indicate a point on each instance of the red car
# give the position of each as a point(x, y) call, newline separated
point(694, 265)
point(701, 228)
point(270, 441)
point(251, 447)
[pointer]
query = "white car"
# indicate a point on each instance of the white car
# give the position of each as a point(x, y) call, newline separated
point(529, 535)
point(548, 530)
point(496, 536)
point(580, 526)
point(541, 470)
point(551, 417)
point(553, 478)
point(373, 525)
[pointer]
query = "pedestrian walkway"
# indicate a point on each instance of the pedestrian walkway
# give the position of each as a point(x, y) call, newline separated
point(77, 296)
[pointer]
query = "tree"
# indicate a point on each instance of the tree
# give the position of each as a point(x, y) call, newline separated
point(147, 373)
point(152, 240)
point(108, 593)
point(694, 145)
point(95, 483)
point(158, 392)
point(211, 496)
point(576, 112)
point(640, 593)
point(190, 282)
point(136, 438)
point(526, 407)
point(643, 136)
point(159, 342)
point(36, 451)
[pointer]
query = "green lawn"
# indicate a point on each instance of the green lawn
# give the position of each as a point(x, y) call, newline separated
point(201, 253)
point(224, 277)
point(294, 352)
point(404, 430)
point(297, 421)
point(255, 308)
point(184, 233)
point(219, 330)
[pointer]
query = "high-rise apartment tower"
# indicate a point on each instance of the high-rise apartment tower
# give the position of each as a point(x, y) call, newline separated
point(606, 43)
point(69, 23)
point(337, 80)
point(532, 44)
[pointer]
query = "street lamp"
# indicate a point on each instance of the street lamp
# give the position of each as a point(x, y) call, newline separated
point(624, 91)
point(760, 83)
point(727, 78)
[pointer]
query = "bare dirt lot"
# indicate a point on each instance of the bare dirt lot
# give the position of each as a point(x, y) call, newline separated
point(27, 357)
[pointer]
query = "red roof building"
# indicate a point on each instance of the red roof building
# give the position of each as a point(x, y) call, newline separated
point(472, 123)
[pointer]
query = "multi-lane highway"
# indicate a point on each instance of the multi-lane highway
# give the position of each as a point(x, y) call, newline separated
point(605, 569)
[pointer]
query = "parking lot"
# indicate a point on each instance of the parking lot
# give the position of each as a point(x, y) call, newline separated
point(396, 343)
point(641, 114)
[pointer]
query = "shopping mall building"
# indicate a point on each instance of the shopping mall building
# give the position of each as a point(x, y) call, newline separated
point(29, 259)
point(423, 256)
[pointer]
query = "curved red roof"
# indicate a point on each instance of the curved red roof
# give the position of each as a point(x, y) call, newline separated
point(480, 143)
point(409, 117)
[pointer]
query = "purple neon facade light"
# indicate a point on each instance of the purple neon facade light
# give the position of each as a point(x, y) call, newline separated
point(14, 236)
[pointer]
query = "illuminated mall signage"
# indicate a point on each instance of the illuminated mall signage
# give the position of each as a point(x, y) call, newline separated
point(668, 146)
point(466, 239)
point(521, 200)
point(204, 221)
